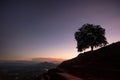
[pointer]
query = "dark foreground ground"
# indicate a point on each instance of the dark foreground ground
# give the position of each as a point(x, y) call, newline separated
point(102, 64)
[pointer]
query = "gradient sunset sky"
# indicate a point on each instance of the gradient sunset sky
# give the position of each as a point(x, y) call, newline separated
point(45, 28)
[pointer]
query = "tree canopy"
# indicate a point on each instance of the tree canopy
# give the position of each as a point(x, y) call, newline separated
point(90, 35)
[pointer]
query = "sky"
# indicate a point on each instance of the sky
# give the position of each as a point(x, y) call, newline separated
point(45, 28)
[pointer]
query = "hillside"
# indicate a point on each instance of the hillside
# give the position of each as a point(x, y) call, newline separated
point(102, 64)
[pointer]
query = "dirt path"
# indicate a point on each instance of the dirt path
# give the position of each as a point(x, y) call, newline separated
point(61, 76)
point(69, 77)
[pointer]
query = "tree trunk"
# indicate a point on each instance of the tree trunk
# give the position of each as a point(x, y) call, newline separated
point(91, 48)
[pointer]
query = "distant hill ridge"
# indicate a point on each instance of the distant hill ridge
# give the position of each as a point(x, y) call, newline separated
point(101, 64)
point(31, 60)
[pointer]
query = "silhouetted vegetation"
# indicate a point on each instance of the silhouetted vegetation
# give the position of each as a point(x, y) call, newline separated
point(90, 35)
point(101, 64)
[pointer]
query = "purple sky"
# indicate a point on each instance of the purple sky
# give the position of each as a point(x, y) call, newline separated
point(45, 28)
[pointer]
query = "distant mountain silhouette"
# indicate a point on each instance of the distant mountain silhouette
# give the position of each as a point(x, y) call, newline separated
point(52, 60)
point(101, 64)
point(31, 60)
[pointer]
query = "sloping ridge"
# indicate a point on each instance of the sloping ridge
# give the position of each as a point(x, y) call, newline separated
point(102, 64)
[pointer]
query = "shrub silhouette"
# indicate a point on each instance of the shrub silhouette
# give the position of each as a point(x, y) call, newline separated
point(90, 35)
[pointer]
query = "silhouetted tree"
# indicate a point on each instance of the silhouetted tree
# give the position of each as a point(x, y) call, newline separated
point(90, 35)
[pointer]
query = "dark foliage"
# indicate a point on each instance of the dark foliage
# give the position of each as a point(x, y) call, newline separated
point(90, 35)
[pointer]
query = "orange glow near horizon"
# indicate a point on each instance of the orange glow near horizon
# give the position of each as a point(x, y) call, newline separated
point(29, 59)
point(15, 58)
